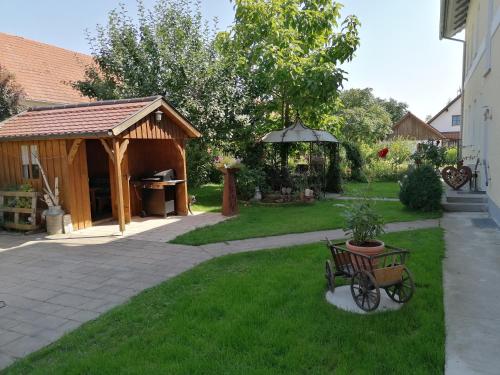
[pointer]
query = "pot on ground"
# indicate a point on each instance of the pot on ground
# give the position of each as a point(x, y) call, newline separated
point(54, 220)
point(369, 248)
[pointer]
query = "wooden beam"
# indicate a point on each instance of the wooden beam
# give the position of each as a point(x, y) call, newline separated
point(123, 148)
point(107, 149)
point(74, 149)
point(119, 184)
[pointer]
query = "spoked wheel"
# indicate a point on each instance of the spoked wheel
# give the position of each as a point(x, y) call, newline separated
point(365, 291)
point(402, 292)
point(330, 276)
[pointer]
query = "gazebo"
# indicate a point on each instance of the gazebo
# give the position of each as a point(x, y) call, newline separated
point(300, 133)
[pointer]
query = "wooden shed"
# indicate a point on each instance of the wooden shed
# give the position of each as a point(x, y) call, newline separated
point(105, 147)
point(412, 127)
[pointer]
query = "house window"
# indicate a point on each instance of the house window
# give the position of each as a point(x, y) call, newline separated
point(31, 166)
point(456, 120)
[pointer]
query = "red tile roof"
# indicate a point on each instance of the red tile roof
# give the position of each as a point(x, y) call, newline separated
point(102, 118)
point(42, 70)
point(87, 118)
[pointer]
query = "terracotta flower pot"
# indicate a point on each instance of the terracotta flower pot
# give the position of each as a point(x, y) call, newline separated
point(372, 248)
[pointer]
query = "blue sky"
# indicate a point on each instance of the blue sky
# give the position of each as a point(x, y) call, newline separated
point(400, 56)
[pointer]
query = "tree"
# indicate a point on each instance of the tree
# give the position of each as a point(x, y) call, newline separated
point(395, 109)
point(291, 50)
point(170, 51)
point(365, 120)
point(10, 95)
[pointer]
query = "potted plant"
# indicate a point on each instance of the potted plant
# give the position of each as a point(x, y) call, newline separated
point(227, 162)
point(363, 224)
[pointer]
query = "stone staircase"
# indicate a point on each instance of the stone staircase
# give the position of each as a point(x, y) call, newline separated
point(465, 201)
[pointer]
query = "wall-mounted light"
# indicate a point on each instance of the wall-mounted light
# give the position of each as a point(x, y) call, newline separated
point(158, 115)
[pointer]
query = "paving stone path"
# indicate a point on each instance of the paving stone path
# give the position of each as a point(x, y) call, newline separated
point(52, 285)
point(471, 293)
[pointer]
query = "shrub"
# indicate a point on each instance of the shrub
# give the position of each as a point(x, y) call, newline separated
point(451, 156)
point(247, 180)
point(421, 189)
point(383, 170)
point(399, 151)
point(391, 167)
point(200, 164)
point(355, 160)
point(430, 153)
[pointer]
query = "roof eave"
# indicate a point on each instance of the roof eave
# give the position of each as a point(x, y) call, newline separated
point(453, 17)
point(35, 137)
point(444, 109)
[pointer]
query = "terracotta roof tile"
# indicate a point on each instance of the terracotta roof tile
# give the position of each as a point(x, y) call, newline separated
point(84, 118)
point(42, 70)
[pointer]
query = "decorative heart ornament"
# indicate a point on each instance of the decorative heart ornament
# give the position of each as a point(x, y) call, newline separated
point(456, 177)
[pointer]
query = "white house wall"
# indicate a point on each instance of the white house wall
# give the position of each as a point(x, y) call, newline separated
point(481, 130)
point(443, 121)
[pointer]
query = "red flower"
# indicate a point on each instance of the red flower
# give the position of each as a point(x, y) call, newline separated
point(383, 153)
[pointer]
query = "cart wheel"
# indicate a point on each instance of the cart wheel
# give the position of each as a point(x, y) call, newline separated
point(365, 291)
point(330, 276)
point(402, 292)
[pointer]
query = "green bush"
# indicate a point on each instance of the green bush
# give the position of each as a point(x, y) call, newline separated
point(247, 180)
point(393, 166)
point(421, 189)
point(430, 153)
point(451, 156)
point(200, 165)
point(383, 170)
point(355, 161)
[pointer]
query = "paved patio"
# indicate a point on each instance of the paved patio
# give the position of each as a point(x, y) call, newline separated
point(471, 294)
point(54, 284)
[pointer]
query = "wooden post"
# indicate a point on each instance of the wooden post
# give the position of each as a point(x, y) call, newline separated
point(181, 189)
point(229, 199)
point(119, 184)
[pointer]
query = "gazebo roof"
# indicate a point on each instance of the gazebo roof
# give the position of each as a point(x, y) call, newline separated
point(298, 132)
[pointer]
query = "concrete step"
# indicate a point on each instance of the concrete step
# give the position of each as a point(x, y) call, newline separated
point(465, 207)
point(467, 198)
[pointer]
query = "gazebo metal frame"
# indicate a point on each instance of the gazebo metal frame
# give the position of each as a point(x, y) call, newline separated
point(300, 133)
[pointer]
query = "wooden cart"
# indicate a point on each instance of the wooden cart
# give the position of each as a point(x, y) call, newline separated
point(369, 274)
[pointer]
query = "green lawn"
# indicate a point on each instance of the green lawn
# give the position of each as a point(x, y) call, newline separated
point(260, 313)
point(262, 220)
point(208, 198)
point(373, 190)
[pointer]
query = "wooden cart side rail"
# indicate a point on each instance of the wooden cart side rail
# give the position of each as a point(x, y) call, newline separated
point(341, 256)
point(341, 246)
point(387, 276)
